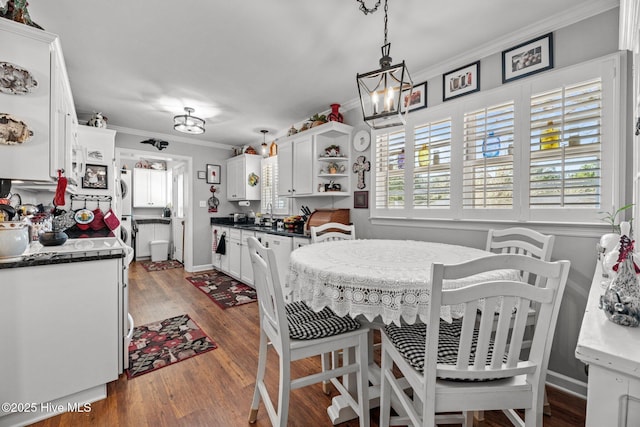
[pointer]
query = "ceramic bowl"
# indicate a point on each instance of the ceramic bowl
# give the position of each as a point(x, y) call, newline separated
point(52, 238)
point(14, 238)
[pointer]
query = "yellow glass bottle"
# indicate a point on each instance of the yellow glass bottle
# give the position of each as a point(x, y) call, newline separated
point(552, 140)
point(423, 156)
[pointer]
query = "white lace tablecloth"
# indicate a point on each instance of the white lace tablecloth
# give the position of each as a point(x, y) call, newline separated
point(385, 278)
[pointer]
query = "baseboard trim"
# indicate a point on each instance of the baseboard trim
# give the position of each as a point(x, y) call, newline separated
point(199, 268)
point(567, 384)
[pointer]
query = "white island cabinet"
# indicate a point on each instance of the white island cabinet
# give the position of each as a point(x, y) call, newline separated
point(612, 353)
point(59, 338)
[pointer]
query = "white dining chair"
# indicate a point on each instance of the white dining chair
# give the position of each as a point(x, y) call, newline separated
point(524, 241)
point(296, 332)
point(463, 367)
point(332, 231)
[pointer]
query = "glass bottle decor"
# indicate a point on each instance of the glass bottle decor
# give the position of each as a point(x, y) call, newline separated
point(423, 155)
point(335, 115)
point(621, 299)
point(551, 138)
point(401, 160)
point(491, 146)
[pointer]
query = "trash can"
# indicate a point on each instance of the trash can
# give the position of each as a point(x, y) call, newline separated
point(159, 250)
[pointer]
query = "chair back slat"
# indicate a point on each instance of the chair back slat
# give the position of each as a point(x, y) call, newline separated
point(498, 332)
point(332, 231)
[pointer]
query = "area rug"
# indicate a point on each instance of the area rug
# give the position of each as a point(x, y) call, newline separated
point(224, 290)
point(161, 265)
point(159, 344)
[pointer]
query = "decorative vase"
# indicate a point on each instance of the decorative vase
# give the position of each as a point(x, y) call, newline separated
point(621, 300)
point(335, 115)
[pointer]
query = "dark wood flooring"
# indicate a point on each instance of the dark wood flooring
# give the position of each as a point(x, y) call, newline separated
point(215, 388)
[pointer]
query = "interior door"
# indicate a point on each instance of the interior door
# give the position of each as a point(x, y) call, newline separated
point(177, 223)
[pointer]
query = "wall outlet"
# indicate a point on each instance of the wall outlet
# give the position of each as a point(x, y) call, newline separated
point(203, 203)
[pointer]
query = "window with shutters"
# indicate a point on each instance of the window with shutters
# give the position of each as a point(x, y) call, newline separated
point(550, 148)
point(565, 165)
point(432, 165)
point(269, 188)
point(389, 176)
point(488, 157)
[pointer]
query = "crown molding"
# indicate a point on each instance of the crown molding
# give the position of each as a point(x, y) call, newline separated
point(168, 137)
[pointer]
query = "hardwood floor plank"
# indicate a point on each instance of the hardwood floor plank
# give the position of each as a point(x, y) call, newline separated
point(216, 388)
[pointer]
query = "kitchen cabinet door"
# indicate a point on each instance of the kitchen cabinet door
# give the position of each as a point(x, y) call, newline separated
point(149, 188)
point(299, 242)
point(281, 246)
point(234, 248)
point(221, 261)
point(243, 177)
point(295, 166)
point(63, 334)
point(144, 236)
point(246, 269)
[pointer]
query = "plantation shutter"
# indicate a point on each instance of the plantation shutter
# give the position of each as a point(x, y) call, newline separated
point(565, 162)
point(432, 165)
point(488, 157)
point(269, 187)
point(389, 177)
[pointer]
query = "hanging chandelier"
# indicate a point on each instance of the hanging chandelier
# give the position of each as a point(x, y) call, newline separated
point(383, 91)
point(187, 123)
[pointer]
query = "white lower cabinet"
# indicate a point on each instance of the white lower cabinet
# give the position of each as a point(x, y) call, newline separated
point(281, 246)
point(60, 331)
point(299, 242)
point(220, 261)
point(146, 234)
point(246, 269)
point(234, 249)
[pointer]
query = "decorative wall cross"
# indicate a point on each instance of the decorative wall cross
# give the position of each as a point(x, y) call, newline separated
point(360, 167)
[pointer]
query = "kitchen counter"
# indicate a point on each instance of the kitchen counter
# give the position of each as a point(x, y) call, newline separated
point(259, 228)
point(161, 220)
point(73, 250)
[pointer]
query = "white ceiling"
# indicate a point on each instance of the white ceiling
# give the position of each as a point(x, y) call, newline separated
point(261, 64)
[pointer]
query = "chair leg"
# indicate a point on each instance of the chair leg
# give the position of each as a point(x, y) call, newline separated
point(262, 364)
point(284, 392)
point(362, 353)
point(385, 389)
point(546, 408)
point(478, 416)
point(326, 361)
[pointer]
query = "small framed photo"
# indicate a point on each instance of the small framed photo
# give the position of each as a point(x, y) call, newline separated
point(461, 81)
point(202, 175)
point(361, 199)
point(417, 99)
point(213, 174)
point(95, 177)
point(527, 58)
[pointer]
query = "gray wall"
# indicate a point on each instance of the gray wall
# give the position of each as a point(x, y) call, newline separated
point(585, 40)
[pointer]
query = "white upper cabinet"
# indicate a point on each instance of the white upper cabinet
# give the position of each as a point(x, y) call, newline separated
point(46, 107)
point(305, 168)
point(243, 177)
point(149, 188)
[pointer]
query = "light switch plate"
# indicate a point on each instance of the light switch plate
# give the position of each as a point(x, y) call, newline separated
point(203, 203)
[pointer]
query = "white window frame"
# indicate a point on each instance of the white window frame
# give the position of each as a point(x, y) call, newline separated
point(612, 71)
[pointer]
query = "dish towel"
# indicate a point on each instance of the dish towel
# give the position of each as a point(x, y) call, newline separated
point(222, 249)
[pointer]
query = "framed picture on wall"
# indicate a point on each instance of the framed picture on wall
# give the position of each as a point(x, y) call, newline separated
point(527, 58)
point(213, 174)
point(418, 98)
point(461, 81)
point(202, 175)
point(95, 176)
point(361, 199)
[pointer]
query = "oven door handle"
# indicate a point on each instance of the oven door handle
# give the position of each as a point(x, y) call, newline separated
point(131, 325)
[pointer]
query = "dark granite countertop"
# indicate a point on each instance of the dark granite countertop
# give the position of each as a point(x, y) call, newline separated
point(153, 220)
point(34, 260)
point(259, 228)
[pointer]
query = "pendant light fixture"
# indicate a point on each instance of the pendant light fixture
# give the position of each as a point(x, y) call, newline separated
point(382, 91)
point(187, 123)
point(264, 149)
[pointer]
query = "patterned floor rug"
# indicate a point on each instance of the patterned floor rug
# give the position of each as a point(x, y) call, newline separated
point(224, 290)
point(159, 344)
point(161, 265)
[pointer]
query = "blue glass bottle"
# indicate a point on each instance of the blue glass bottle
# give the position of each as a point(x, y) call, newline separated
point(491, 146)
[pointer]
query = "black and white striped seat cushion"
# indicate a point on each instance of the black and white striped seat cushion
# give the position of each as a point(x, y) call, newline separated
point(410, 341)
point(306, 324)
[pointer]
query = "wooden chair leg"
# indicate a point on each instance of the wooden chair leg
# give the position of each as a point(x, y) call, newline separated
point(546, 408)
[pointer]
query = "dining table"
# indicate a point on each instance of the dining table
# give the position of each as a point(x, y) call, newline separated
point(382, 281)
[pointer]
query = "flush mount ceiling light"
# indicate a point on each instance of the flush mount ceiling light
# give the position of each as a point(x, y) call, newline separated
point(382, 91)
point(187, 123)
point(264, 149)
